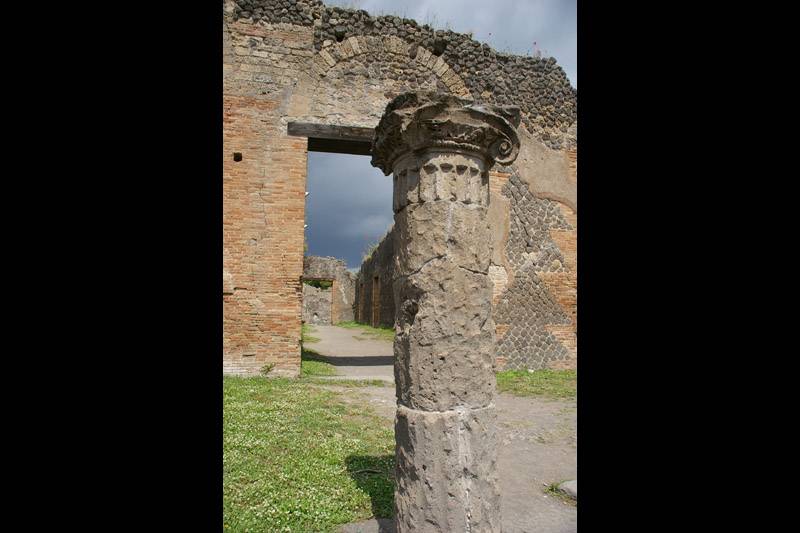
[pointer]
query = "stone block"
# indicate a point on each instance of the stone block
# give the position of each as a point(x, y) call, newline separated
point(423, 55)
point(327, 57)
point(375, 44)
point(318, 70)
point(390, 44)
point(439, 65)
point(447, 75)
point(354, 45)
point(570, 488)
point(432, 61)
point(346, 49)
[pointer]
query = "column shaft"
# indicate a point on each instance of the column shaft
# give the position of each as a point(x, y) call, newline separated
point(446, 449)
point(439, 149)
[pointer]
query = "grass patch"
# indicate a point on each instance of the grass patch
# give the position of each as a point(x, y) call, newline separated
point(297, 458)
point(351, 324)
point(381, 333)
point(316, 368)
point(557, 384)
point(553, 490)
point(312, 365)
point(305, 336)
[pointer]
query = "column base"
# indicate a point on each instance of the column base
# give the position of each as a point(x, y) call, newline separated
point(446, 471)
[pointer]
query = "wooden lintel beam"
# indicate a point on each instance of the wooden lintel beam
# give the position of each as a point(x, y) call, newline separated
point(328, 131)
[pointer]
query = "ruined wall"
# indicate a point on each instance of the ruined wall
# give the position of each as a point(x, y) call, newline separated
point(379, 265)
point(343, 289)
point(317, 305)
point(539, 86)
point(533, 274)
point(263, 209)
point(536, 306)
point(294, 60)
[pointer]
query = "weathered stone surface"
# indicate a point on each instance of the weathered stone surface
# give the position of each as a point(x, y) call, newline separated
point(454, 176)
point(316, 305)
point(327, 57)
point(444, 349)
point(433, 120)
point(546, 171)
point(446, 471)
point(342, 293)
point(570, 488)
point(374, 294)
point(439, 148)
point(442, 229)
point(354, 45)
point(537, 84)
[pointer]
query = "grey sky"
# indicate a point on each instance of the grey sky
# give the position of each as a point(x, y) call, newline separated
point(350, 202)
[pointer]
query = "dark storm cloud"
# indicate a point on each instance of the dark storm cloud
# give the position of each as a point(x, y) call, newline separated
point(509, 26)
point(348, 207)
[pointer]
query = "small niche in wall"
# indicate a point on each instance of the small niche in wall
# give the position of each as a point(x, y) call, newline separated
point(237, 156)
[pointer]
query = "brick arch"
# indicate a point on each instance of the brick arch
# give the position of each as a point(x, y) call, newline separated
point(330, 56)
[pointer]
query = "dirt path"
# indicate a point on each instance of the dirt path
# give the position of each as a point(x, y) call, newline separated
point(354, 354)
point(537, 437)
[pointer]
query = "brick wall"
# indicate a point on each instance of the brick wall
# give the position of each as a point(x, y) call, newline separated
point(263, 212)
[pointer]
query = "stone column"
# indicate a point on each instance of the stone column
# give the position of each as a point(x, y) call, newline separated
point(440, 149)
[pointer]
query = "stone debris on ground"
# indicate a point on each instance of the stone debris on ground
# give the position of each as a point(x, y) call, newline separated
point(570, 488)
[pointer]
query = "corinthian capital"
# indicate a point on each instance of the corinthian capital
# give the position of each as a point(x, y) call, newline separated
point(419, 121)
